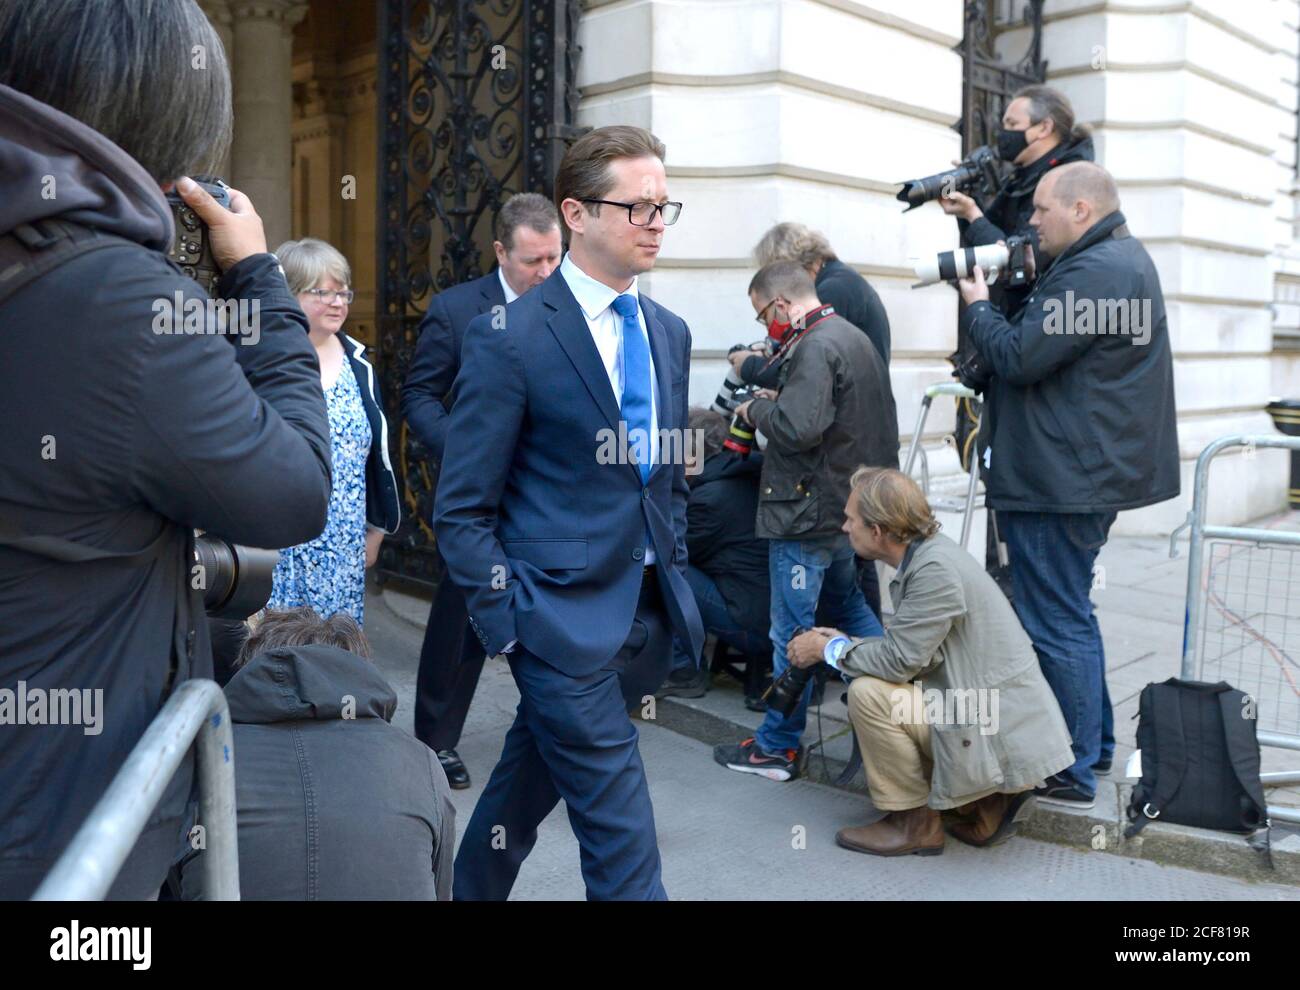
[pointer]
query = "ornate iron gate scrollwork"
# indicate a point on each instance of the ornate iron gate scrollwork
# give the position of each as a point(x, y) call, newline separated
point(476, 102)
point(987, 81)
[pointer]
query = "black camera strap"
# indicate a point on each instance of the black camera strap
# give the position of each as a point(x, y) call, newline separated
point(31, 250)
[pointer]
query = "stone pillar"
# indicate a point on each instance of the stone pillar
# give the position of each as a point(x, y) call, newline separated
point(261, 160)
point(218, 13)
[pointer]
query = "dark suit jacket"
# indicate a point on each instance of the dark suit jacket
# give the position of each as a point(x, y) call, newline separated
point(427, 394)
point(542, 532)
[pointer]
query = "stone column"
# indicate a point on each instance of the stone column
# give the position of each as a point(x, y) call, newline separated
point(218, 12)
point(261, 160)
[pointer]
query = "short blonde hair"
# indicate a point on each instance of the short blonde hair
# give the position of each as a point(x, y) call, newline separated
point(891, 500)
point(793, 242)
point(308, 261)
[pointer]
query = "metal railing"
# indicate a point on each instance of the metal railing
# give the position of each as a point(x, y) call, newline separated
point(197, 714)
point(1242, 623)
point(965, 506)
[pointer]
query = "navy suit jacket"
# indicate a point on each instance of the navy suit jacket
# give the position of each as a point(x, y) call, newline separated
point(427, 393)
point(543, 534)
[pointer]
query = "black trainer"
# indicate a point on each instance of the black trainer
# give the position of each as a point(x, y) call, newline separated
point(748, 758)
point(1059, 791)
point(686, 683)
point(1102, 768)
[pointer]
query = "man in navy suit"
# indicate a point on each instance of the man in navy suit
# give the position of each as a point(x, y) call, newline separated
point(561, 513)
point(528, 249)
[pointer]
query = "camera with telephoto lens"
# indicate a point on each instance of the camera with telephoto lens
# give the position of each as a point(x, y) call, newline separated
point(191, 246)
point(786, 690)
point(235, 580)
point(978, 174)
point(1007, 261)
point(740, 435)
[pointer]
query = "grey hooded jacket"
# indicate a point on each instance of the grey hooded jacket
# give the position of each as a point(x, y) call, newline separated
point(955, 632)
point(334, 802)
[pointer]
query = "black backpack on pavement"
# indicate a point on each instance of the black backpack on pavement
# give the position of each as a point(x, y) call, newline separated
point(1200, 758)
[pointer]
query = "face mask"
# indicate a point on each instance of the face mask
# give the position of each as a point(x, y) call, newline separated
point(1011, 143)
point(778, 330)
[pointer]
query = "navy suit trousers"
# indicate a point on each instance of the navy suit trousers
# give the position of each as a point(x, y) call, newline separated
point(572, 739)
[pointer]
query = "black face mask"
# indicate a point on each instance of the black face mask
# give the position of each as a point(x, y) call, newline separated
point(1011, 143)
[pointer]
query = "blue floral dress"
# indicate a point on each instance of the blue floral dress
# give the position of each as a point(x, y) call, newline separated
point(329, 573)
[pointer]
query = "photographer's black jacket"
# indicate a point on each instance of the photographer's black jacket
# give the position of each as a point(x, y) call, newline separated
point(1081, 421)
point(117, 435)
point(720, 539)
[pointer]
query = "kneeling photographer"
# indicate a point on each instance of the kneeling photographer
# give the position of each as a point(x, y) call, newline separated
point(1081, 426)
point(949, 706)
point(136, 410)
point(835, 411)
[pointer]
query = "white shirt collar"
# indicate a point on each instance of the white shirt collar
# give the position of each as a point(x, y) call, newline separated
point(593, 297)
point(511, 294)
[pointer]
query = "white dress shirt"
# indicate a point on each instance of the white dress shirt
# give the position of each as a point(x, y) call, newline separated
point(511, 294)
point(606, 326)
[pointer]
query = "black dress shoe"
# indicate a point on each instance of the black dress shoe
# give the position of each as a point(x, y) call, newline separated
point(457, 775)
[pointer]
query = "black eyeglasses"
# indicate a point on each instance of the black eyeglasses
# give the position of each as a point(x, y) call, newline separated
point(643, 214)
point(761, 318)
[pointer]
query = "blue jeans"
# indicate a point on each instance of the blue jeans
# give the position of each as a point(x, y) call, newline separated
point(717, 620)
point(803, 576)
point(1052, 556)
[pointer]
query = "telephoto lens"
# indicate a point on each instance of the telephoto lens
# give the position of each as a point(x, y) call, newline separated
point(950, 265)
point(785, 691)
point(740, 435)
point(236, 580)
point(725, 403)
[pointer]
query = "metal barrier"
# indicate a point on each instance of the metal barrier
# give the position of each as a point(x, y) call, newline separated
point(1242, 623)
point(915, 449)
point(195, 713)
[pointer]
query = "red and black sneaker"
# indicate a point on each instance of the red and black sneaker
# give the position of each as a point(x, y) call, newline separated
point(748, 758)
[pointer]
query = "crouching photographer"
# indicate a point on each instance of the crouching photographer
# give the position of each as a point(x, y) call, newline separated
point(949, 706)
point(1081, 427)
point(135, 411)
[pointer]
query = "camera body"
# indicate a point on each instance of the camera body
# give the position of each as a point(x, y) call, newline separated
point(977, 175)
point(191, 246)
point(786, 690)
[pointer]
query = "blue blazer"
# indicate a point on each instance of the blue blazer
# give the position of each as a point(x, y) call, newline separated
point(546, 541)
point(427, 393)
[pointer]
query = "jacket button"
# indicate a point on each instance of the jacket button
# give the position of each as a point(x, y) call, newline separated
point(638, 553)
point(965, 742)
point(645, 492)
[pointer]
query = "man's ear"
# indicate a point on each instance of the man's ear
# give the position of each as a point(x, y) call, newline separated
point(575, 216)
point(501, 252)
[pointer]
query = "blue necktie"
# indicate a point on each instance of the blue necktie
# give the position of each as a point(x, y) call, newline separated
point(636, 382)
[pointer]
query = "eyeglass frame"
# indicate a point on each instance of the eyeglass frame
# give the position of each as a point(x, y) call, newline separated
point(758, 318)
point(337, 293)
point(658, 207)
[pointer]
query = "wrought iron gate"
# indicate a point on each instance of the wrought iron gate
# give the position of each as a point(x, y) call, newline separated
point(476, 102)
point(987, 81)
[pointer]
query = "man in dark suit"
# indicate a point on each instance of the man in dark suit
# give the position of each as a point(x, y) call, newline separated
point(528, 249)
point(561, 513)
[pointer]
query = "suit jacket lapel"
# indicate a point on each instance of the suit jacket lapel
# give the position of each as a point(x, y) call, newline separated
point(490, 286)
point(569, 326)
point(662, 359)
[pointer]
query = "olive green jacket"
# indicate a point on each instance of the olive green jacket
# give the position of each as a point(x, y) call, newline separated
point(955, 633)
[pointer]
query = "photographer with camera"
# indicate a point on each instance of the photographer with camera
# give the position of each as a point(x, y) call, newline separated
point(835, 411)
point(1081, 426)
point(949, 706)
point(128, 423)
point(1038, 133)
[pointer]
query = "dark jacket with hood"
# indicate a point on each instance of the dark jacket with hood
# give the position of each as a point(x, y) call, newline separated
point(720, 538)
point(334, 802)
point(835, 412)
point(119, 437)
point(1080, 409)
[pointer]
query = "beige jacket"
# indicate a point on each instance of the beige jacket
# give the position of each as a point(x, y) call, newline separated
point(994, 723)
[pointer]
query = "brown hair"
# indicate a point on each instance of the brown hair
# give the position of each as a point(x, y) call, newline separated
point(584, 172)
point(303, 627)
point(891, 500)
point(1044, 102)
point(712, 427)
point(531, 210)
point(788, 279)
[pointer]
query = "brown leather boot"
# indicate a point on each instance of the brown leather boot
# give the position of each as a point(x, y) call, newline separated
point(994, 820)
point(917, 830)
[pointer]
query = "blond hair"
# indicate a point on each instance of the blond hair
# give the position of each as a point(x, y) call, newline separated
point(793, 242)
point(891, 500)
